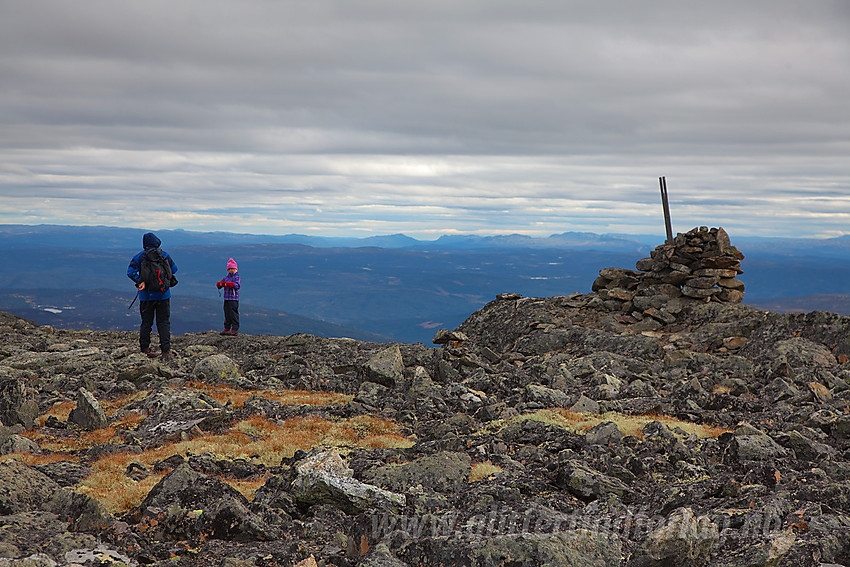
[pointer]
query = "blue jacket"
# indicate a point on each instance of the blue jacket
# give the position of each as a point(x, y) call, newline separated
point(149, 241)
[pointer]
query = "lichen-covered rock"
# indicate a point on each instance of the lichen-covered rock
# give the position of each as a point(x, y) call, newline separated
point(17, 403)
point(684, 539)
point(88, 414)
point(588, 484)
point(11, 442)
point(577, 548)
point(187, 504)
point(216, 368)
point(22, 488)
point(441, 472)
point(323, 478)
point(385, 367)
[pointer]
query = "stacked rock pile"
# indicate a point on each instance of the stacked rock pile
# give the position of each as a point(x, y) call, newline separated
point(699, 265)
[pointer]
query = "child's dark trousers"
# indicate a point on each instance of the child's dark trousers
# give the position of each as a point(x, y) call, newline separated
point(231, 314)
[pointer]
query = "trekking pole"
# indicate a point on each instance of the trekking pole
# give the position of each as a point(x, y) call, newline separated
point(134, 301)
point(666, 206)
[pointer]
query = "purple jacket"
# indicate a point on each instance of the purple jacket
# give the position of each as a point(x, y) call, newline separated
point(232, 293)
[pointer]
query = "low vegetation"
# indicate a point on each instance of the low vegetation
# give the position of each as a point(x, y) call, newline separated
point(256, 439)
point(579, 422)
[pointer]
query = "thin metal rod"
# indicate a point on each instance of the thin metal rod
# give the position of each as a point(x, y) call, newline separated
point(663, 182)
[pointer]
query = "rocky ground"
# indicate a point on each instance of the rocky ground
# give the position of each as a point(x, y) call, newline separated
point(543, 431)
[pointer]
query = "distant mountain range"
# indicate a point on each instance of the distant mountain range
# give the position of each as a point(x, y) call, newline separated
point(394, 287)
point(105, 237)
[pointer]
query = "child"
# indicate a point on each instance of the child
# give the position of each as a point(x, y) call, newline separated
point(231, 284)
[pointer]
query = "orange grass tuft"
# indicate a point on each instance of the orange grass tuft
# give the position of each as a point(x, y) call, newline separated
point(628, 424)
point(59, 410)
point(43, 459)
point(111, 406)
point(224, 394)
point(247, 487)
point(480, 471)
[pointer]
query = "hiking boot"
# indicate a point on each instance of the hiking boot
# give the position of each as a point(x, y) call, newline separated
point(150, 353)
point(225, 332)
point(166, 356)
point(233, 332)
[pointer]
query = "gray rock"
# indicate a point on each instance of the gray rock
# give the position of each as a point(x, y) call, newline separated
point(65, 473)
point(441, 472)
point(385, 367)
point(444, 336)
point(750, 444)
point(82, 512)
point(323, 478)
point(684, 539)
point(546, 396)
point(371, 393)
point(380, 556)
point(88, 414)
point(425, 394)
point(576, 548)
point(216, 368)
point(17, 403)
point(22, 488)
point(11, 442)
point(604, 434)
point(588, 484)
point(188, 504)
point(585, 405)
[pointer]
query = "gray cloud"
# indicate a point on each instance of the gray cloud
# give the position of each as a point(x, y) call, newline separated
point(382, 116)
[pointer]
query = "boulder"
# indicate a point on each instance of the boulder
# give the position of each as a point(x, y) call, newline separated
point(749, 444)
point(684, 539)
point(323, 478)
point(576, 548)
point(17, 403)
point(385, 367)
point(444, 336)
point(11, 442)
point(586, 483)
point(604, 434)
point(187, 504)
point(88, 414)
point(22, 488)
point(216, 368)
point(546, 397)
point(442, 472)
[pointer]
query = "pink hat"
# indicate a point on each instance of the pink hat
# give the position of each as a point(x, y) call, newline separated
point(231, 263)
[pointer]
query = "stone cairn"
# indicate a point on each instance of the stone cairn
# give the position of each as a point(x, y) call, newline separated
point(699, 265)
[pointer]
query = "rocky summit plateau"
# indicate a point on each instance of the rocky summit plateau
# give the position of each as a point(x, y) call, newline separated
point(653, 421)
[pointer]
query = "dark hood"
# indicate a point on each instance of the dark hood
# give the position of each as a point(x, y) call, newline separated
point(150, 240)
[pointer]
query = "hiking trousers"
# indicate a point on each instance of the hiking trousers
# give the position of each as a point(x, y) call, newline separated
point(231, 314)
point(161, 311)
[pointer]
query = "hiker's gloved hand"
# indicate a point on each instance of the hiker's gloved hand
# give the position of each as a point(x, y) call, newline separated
point(219, 285)
point(229, 284)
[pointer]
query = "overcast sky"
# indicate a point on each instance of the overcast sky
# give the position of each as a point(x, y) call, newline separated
point(361, 117)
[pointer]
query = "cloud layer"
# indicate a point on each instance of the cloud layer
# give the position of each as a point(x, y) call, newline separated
point(375, 117)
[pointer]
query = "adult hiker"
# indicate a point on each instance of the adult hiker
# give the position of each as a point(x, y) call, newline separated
point(152, 270)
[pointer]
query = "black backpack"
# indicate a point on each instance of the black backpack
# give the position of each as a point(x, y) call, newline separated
point(155, 271)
